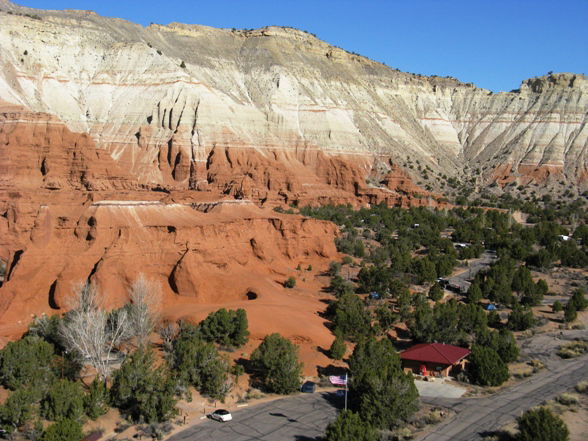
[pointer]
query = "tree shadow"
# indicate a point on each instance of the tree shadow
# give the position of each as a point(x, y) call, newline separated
point(333, 399)
point(323, 350)
point(498, 435)
point(281, 415)
point(325, 371)
point(247, 365)
point(249, 368)
point(306, 438)
point(401, 345)
point(402, 333)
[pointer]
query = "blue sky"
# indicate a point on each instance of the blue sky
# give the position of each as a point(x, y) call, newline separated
point(492, 43)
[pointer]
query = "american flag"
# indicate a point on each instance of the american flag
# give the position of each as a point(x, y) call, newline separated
point(339, 380)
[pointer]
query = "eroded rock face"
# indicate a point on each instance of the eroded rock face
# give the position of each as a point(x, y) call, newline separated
point(165, 101)
point(161, 150)
point(70, 214)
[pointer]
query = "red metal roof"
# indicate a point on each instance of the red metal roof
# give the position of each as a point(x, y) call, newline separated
point(435, 353)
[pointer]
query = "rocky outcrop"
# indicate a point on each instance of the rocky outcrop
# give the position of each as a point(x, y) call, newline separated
point(161, 150)
point(164, 101)
point(69, 214)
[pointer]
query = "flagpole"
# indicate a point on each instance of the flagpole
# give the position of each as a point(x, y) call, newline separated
point(345, 390)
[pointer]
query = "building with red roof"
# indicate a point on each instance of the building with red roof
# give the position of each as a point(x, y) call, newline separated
point(435, 359)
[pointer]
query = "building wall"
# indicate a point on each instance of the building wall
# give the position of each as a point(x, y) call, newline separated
point(433, 369)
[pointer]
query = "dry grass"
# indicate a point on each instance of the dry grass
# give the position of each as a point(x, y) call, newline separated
point(582, 387)
point(573, 349)
point(568, 399)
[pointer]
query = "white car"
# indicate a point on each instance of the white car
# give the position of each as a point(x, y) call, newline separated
point(221, 415)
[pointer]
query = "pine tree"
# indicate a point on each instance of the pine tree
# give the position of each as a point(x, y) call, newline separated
point(96, 401)
point(541, 424)
point(486, 368)
point(338, 348)
point(350, 426)
point(63, 430)
point(276, 365)
point(142, 391)
point(379, 390)
point(570, 312)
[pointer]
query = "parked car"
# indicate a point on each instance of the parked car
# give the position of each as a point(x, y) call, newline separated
point(308, 387)
point(221, 415)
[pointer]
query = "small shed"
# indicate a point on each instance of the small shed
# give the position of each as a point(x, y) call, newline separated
point(434, 359)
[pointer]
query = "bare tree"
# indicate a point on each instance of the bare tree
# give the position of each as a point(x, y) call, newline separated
point(92, 332)
point(144, 309)
point(168, 331)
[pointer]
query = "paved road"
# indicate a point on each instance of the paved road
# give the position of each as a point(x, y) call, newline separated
point(300, 418)
point(475, 266)
point(305, 417)
point(474, 416)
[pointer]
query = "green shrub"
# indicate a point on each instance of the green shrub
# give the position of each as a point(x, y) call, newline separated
point(379, 390)
point(290, 282)
point(494, 320)
point(541, 424)
point(557, 306)
point(143, 392)
point(26, 362)
point(486, 368)
point(474, 294)
point(18, 409)
point(64, 399)
point(521, 319)
point(570, 313)
point(276, 366)
point(349, 426)
point(334, 268)
point(350, 317)
point(582, 387)
point(436, 292)
point(199, 364)
point(96, 401)
point(227, 328)
point(579, 300)
point(567, 399)
point(63, 430)
point(338, 348)
point(386, 317)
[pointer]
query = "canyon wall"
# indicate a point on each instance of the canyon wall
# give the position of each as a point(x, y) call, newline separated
point(164, 100)
point(161, 150)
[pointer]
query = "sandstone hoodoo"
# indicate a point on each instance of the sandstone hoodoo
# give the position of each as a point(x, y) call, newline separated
point(162, 150)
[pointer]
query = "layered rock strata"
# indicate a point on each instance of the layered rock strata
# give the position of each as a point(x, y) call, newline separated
point(163, 99)
point(161, 150)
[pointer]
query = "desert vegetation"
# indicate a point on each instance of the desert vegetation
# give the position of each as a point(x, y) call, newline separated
point(47, 370)
point(389, 291)
point(400, 258)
